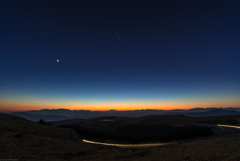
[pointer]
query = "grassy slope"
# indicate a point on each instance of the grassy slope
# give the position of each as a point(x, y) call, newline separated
point(48, 143)
point(41, 142)
point(17, 124)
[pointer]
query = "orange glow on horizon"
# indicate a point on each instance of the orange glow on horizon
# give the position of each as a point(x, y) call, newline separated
point(100, 107)
point(12, 107)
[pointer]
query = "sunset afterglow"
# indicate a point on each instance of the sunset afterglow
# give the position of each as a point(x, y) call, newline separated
point(130, 58)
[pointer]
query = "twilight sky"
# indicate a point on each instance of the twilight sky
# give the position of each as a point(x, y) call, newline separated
point(119, 55)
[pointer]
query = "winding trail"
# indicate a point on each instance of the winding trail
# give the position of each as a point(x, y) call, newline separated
point(127, 145)
point(229, 126)
point(78, 138)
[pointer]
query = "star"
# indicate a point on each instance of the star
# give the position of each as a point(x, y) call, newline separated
point(57, 60)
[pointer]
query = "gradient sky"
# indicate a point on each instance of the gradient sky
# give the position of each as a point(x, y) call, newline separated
point(119, 55)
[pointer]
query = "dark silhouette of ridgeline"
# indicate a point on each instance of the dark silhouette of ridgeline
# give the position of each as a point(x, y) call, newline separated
point(37, 117)
point(215, 112)
point(64, 114)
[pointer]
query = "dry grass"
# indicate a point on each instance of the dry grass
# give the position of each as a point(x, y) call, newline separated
point(48, 143)
point(21, 125)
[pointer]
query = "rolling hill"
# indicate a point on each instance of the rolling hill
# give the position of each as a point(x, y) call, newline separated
point(26, 140)
point(99, 123)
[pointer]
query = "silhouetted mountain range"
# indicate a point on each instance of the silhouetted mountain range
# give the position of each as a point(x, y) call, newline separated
point(215, 112)
point(37, 117)
point(62, 114)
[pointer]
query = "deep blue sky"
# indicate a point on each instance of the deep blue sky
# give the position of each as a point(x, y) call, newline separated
point(168, 53)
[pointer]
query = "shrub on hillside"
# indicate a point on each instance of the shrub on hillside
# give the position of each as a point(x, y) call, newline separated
point(42, 122)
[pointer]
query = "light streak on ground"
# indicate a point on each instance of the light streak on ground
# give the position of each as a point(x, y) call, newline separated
point(126, 145)
point(139, 145)
point(230, 126)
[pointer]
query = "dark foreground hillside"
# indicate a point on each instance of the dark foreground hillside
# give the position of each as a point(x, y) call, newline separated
point(25, 140)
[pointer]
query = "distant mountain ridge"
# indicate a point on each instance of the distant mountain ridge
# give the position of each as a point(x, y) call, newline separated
point(215, 112)
point(62, 114)
point(37, 117)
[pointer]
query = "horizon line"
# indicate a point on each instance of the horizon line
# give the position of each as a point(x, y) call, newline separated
point(6, 111)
